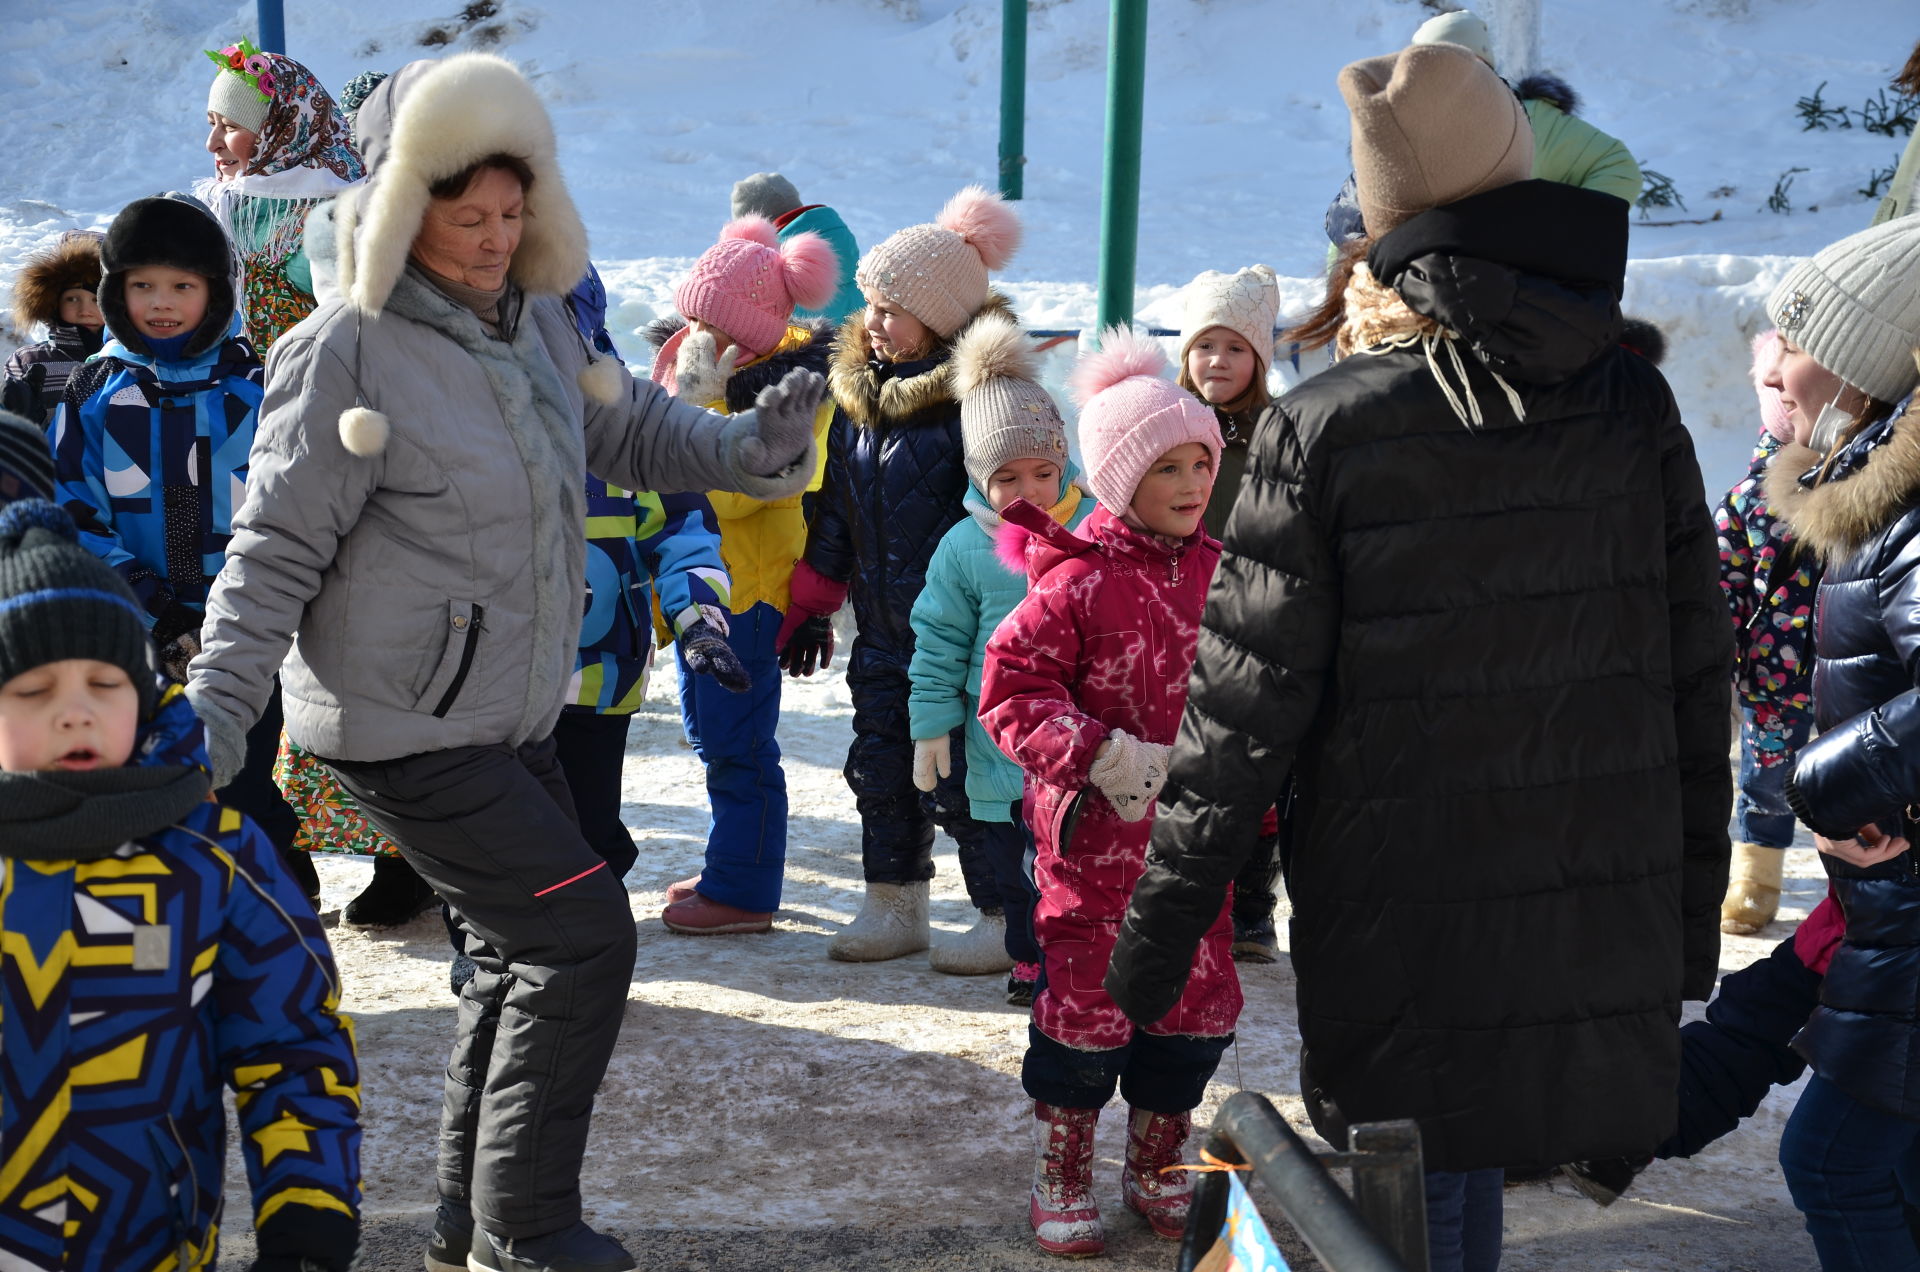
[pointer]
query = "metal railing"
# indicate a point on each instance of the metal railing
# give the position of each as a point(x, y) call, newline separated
point(1381, 1228)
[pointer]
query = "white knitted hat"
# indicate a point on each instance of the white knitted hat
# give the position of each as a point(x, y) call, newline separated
point(1854, 306)
point(1462, 27)
point(238, 100)
point(1245, 303)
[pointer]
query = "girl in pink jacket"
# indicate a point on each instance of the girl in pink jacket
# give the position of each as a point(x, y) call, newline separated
point(1083, 688)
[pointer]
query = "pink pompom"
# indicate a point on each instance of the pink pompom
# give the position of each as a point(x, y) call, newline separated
point(1123, 354)
point(1010, 546)
point(754, 229)
point(1773, 416)
point(986, 221)
point(812, 268)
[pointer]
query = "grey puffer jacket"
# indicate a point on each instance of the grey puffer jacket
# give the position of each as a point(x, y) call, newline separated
point(426, 596)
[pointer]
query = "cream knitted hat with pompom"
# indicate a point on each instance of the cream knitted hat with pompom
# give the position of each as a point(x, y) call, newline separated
point(938, 271)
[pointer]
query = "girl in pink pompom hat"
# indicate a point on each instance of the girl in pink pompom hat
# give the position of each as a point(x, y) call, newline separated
point(1083, 686)
point(896, 482)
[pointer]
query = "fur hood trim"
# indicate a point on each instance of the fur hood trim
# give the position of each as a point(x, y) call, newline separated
point(72, 261)
point(1550, 89)
point(871, 401)
point(1838, 518)
point(426, 123)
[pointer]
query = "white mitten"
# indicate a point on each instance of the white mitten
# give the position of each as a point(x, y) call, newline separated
point(699, 376)
point(932, 760)
point(1130, 773)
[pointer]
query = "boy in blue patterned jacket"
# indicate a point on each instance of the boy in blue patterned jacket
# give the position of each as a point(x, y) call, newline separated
point(151, 950)
point(1769, 582)
point(151, 440)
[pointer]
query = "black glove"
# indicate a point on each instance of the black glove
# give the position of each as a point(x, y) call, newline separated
point(26, 395)
point(810, 646)
point(708, 654)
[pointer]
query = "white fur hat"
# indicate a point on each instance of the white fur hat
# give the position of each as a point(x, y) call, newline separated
point(1245, 303)
point(429, 121)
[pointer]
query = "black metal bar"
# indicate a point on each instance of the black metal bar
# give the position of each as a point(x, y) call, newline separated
point(1249, 1129)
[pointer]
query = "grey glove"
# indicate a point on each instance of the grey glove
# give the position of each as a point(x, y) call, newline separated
point(226, 739)
point(779, 446)
point(1130, 772)
point(699, 376)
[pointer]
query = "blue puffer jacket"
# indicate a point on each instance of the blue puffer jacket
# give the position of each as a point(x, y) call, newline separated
point(1864, 520)
point(895, 484)
point(825, 222)
point(969, 590)
point(151, 458)
point(635, 541)
point(135, 983)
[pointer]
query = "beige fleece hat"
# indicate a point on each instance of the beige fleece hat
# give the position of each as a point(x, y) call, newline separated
point(1462, 27)
point(1854, 306)
point(1432, 124)
point(1245, 302)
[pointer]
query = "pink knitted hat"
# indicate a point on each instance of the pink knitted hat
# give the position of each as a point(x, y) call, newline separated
point(938, 271)
point(749, 283)
point(1131, 414)
point(1766, 349)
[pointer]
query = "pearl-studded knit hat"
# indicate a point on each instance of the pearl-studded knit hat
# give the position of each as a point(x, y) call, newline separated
point(1004, 413)
point(938, 271)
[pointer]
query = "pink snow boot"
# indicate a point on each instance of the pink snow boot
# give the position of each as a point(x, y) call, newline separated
point(1065, 1218)
point(1155, 1140)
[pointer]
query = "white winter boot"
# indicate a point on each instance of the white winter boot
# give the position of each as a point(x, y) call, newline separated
point(981, 950)
point(892, 921)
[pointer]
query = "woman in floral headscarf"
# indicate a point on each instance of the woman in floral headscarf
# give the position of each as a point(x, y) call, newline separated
point(280, 145)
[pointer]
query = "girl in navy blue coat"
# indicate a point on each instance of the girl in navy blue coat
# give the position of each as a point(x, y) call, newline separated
point(896, 482)
point(1849, 485)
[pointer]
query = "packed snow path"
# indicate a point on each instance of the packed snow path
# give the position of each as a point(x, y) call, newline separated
point(770, 1108)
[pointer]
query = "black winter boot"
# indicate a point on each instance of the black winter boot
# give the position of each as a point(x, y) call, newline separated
point(299, 863)
point(1255, 894)
point(396, 894)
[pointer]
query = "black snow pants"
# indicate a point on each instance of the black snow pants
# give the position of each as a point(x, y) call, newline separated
point(546, 924)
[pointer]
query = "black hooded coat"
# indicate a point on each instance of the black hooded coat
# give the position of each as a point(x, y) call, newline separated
point(1492, 660)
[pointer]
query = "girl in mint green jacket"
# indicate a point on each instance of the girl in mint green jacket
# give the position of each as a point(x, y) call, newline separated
point(1016, 448)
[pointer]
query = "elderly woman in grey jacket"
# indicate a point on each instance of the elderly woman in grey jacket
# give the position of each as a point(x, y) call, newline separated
point(411, 545)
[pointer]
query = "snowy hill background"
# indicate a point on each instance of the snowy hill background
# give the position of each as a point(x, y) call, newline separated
point(884, 107)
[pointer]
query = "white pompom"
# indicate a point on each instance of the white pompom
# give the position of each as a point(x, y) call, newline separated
point(363, 431)
point(600, 380)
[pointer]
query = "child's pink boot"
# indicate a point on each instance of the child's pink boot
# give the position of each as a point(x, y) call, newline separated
point(1065, 1218)
point(1155, 1140)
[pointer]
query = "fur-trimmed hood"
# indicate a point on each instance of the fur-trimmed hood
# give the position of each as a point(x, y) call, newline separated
point(429, 121)
point(871, 398)
point(1839, 517)
point(72, 261)
point(744, 385)
point(1550, 89)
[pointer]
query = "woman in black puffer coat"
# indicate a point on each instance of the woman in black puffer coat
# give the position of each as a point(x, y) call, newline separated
point(1469, 606)
point(1849, 321)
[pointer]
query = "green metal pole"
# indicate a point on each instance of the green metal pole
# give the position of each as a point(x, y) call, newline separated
point(1120, 188)
point(1013, 96)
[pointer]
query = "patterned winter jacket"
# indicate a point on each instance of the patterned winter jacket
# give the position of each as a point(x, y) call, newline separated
point(1104, 640)
point(636, 541)
point(760, 539)
point(895, 484)
point(1770, 583)
point(151, 458)
point(59, 356)
point(136, 979)
point(970, 589)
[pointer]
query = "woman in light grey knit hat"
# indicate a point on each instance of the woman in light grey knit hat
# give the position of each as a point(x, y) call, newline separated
point(1849, 485)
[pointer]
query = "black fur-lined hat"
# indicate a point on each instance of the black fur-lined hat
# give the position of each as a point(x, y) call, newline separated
point(177, 231)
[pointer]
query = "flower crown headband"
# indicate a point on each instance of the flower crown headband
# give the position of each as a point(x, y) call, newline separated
point(247, 61)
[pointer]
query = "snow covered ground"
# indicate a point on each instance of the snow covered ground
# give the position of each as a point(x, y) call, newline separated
point(770, 1108)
